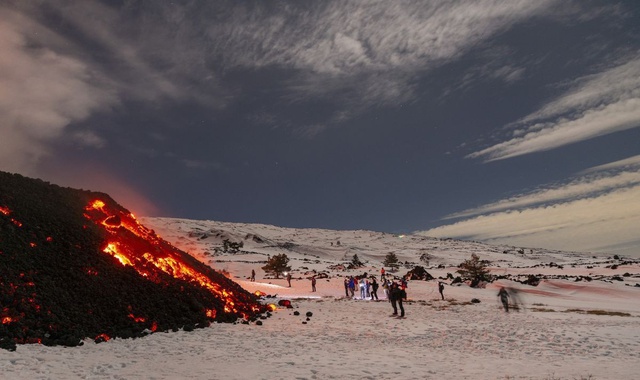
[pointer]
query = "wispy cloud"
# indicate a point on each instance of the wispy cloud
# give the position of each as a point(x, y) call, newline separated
point(365, 46)
point(356, 55)
point(596, 105)
point(41, 93)
point(564, 216)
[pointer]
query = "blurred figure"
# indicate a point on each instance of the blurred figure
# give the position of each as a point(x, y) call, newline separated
point(504, 298)
point(313, 283)
point(289, 279)
point(253, 275)
point(441, 289)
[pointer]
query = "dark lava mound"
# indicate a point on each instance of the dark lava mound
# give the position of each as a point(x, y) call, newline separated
point(74, 264)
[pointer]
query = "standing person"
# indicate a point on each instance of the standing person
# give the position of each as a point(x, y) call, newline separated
point(289, 279)
point(362, 288)
point(504, 298)
point(403, 287)
point(253, 275)
point(374, 289)
point(352, 286)
point(313, 283)
point(381, 273)
point(385, 288)
point(441, 289)
point(395, 295)
point(367, 289)
point(346, 287)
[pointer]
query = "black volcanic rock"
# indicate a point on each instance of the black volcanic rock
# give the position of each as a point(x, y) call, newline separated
point(64, 274)
point(419, 273)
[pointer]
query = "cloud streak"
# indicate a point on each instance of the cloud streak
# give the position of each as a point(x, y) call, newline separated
point(563, 217)
point(597, 105)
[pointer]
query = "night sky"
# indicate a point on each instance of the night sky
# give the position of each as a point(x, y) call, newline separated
point(499, 121)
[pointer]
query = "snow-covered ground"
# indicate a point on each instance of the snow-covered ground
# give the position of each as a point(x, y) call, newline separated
point(567, 327)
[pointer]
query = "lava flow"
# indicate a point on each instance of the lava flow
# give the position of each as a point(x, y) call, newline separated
point(134, 245)
point(76, 265)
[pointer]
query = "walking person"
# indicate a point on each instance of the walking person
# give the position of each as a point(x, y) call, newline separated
point(441, 289)
point(504, 298)
point(253, 275)
point(313, 283)
point(289, 279)
point(346, 287)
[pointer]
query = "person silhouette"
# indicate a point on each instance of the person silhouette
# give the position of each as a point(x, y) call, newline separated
point(504, 298)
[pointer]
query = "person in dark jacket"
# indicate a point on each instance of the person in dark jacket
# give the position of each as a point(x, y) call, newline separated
point(395, 295)
point(374, 289)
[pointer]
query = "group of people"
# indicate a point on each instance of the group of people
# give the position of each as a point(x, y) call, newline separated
point(368, 289)
point(394, 291)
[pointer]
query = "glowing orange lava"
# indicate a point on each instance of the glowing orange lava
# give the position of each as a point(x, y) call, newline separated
point(157, 253)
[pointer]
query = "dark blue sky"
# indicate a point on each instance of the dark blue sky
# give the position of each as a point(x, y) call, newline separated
point(501, 121)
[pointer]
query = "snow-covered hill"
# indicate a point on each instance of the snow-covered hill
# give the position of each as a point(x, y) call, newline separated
point(320, 250)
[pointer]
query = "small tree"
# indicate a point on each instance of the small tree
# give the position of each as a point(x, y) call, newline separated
point(391, 261)
point(355, 261)
point(231, 247)
point(277, 264)
point(474, 270)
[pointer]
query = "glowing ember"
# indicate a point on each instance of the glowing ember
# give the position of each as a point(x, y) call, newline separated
point(137, 319)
